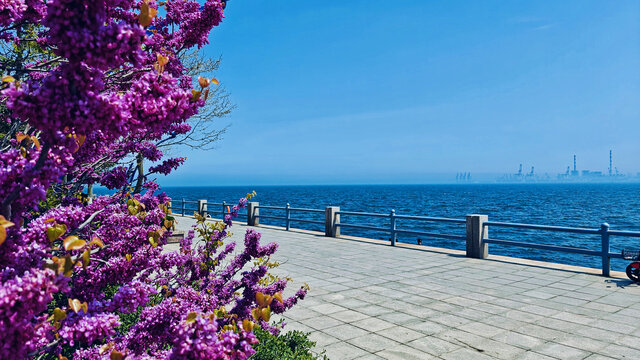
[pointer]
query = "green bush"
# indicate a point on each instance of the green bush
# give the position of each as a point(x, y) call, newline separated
point(294, 345)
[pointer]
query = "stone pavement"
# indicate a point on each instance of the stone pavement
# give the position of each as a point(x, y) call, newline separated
point(369, 300)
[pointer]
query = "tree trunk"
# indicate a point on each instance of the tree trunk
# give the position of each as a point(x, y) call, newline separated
point(140, 163)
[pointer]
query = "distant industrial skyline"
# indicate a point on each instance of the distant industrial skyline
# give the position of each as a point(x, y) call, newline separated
point(364, 92)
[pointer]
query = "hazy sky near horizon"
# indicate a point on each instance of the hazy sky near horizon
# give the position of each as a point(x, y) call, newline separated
point(413, 91)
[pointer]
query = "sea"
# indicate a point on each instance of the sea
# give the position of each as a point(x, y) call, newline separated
point(579, 205)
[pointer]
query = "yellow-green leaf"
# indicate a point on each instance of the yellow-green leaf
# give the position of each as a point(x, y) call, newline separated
point(8, 79)
point(59, 314)
point(260, 299)
point(73, 243)
point(266, 314)
point(195, 95)
point(85, 258)
point(75, 305)
point(147, 14)
point(116, 355)
point(97, 241)
point(67, 266)
point(247, 325)
point(203, 82)
point(191, 317)
point(257, 314)
point(278, 296)
point(55, 231)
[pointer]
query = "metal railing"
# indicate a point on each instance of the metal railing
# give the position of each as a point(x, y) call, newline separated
point(475, 233)
point(393, 230)
point(202, 207)
point(287, 215)
point(604, 233)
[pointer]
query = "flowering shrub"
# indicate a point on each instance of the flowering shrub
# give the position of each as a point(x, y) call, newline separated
point(87, 86)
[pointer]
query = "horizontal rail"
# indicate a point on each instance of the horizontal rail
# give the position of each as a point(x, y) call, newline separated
point(431, 234)
point(271, 217)
point(428, 218)
point(544, 227)
point(566, 249)
point(355, 213)
point(307, 221)
point(271, 207)
point(363, 227)
point(307, 210)
point(624, 233)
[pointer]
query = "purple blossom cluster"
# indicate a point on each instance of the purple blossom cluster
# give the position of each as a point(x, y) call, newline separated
point(102, 83)
point(167, 166)
point(81, 31)
point(201, 339)
point(89, 328)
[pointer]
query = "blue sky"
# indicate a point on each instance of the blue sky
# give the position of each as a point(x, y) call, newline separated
point(341, 92)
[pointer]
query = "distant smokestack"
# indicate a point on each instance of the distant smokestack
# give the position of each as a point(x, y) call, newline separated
point(610, 162)
point(575, 168)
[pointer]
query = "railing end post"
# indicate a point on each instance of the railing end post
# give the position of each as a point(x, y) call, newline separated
point(253, 213)
point(202, 207)
point(288, 216)
point(331, 219)
point(476, 233)
point(392, 232)
point(606, 248)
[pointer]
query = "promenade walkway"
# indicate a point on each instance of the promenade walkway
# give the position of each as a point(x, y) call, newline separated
point(369, 300)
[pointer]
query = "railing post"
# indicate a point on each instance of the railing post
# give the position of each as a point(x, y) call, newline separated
point(476, 232)
point(202, 207)
point(331, 218)
point(252, 213)
point(606, 260)
point(182, 207)
point(224, 207)
point(392, 218)
point(288, 216)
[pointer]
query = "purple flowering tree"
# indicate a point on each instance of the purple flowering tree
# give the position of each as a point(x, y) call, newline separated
point(85, 86)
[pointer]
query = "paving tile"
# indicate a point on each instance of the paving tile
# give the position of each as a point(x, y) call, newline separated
point(531, 355)
point(372, 342)
point(620, 352)
point(343, 350)
point(326, 309)
point(370, 357)
point(322, 339)
point(321, 322)
point(400, 334)
point(348, 316)
point(465, 354)
point(399, 318)
point(481, 329)
point(372, 324)
point(433, 345)
point(520, 340)
point(427, 327)
point(560, 351)
point(345, 331)
point(403, 352)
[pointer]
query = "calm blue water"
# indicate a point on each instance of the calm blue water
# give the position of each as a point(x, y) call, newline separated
point(583, 205)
